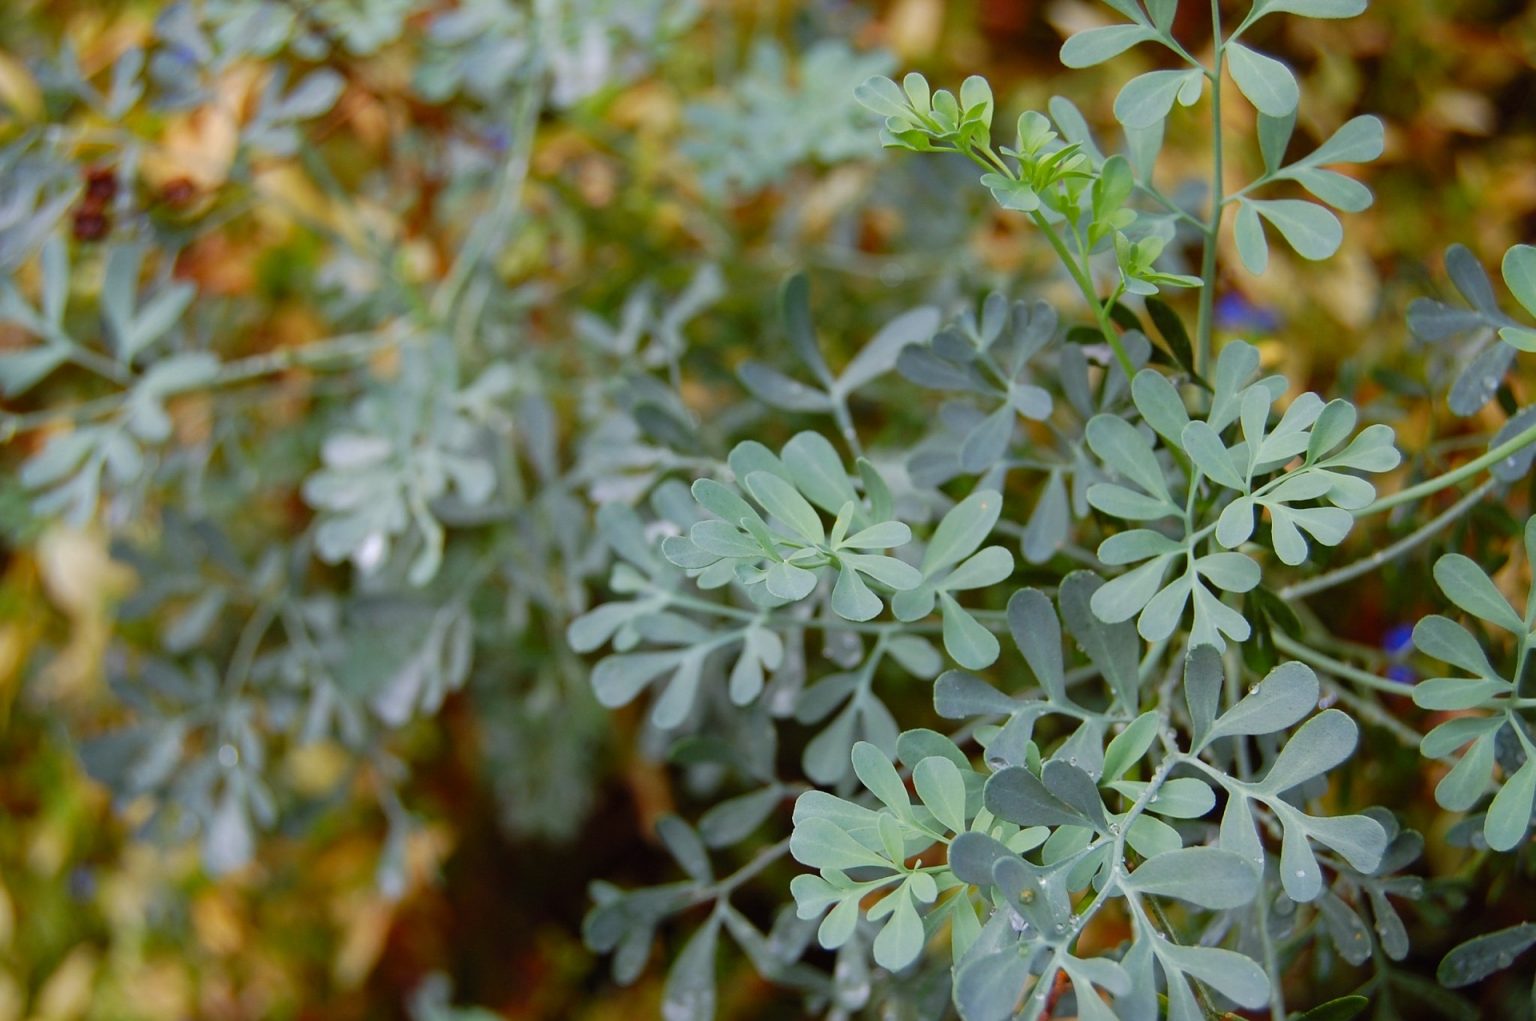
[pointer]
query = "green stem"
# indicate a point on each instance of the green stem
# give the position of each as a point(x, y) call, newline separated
point(256, 627)
point(1165, 930)
point(1508, 448)
point(345, 346)
point(844, 420)
point(1081, 272)
point(1203, 328)
point(1112, 887)
point(1271, 960)
point(106, 367)
point(995, 620)
point(1388, 553)
point(1167, 203)
point(1288, 645)
point(489, 231)
point(1084, 281)
point(764, 858)
point(1369, 711)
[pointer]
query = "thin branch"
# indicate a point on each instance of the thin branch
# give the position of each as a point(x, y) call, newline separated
point(343, 347)
point(1343, 671)
point(1204, 325)
point(1508, 448)
point(1386, 554)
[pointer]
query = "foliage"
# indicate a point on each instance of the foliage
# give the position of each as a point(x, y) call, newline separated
point(487, 430)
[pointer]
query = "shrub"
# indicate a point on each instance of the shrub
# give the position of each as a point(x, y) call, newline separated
point(1131, 804)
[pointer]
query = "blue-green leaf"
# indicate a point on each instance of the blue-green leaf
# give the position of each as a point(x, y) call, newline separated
point(1287, 693)
point(817, 471)
point(851, 597)
point(1465, 584)
point(1307, 227)
point(777, 390)
point(1248, 232)
point(1205, 876)
point(1359, 140)
point(901, 941)
point(1311, 8)
point(875, 771)
point(1096, 45)
point(1509, 814)
point(1146, 99)
point(941, 789)
point(882, 96)
point(1519, 268)
point(1323, 742)
point(1483, 955)
point(1228, 972)
point(1269, 84)
point(965, 639)
point(782, 500)
point(962, 531)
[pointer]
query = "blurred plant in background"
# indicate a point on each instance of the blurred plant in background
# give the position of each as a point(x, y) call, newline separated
point(326, 329)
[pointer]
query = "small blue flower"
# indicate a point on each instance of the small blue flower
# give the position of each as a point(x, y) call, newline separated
point(1235, 312)
point(1398, 641)
point(82, 883)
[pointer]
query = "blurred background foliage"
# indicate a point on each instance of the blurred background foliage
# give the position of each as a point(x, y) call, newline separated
point(733, 143)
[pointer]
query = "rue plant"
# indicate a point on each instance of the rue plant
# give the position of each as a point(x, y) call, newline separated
point(1105, 548)
point(1138, 822)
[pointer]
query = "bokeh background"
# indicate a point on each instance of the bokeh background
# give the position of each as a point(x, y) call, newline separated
point(734, 142)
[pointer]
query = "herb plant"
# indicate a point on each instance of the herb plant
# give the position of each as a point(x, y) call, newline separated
point(1139, 791)
point(1169, 767)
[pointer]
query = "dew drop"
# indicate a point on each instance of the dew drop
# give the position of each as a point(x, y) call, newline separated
point(1301, 873)
point(1254, 690)
point(996, 761)
point(1027, 896)
point(1072, 760)
point(229, 756)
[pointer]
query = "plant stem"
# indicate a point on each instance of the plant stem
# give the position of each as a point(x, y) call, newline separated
point(1084, 281)
point(1117, 855)
point(1388, 553)
point(489, 231)
point(1271, 960)
point(1372, 712)
point(764, 858)
point(1285, 643)
point(1166, 930)
point(995, 620)
point(344, 346)
point(106, 367)
point(845, 424)
point(1081, 273)
point(1203, 327)
point(1508, 448)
